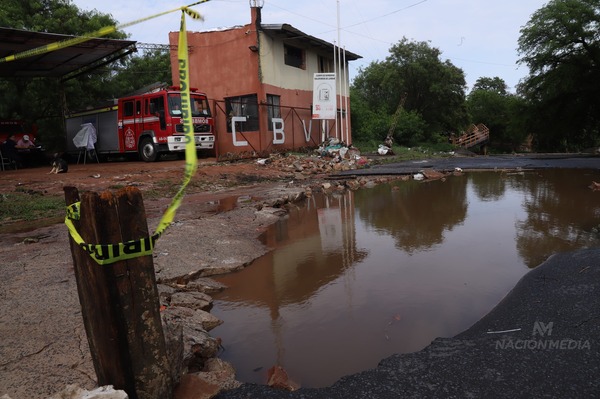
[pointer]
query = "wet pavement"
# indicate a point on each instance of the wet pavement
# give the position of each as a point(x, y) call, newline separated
point(491, 162)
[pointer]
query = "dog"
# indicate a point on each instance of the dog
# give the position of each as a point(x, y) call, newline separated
point(59, 165)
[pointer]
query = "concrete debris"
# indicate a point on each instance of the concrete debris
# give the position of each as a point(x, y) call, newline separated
point(431, 174)
point(594, 186)
point(196, 317)
point(75, 392)
point(278, 378)
point(331, 156)
point(215, 376)
point(192, 300)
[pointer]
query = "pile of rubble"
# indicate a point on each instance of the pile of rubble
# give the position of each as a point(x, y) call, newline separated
point(331, 156)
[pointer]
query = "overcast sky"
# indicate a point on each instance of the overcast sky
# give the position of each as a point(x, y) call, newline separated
point(478, 36)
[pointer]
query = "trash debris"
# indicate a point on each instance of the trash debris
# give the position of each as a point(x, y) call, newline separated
point(383, 150)
point(419, 176)
point(594, 186)
point(263, 161)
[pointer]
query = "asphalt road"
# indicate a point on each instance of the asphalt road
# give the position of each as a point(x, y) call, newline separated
point(492, 162)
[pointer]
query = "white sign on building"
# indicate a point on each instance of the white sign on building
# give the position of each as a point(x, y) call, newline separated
point(324, 96)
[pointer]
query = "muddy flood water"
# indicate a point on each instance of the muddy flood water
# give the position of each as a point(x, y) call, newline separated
point(356, 277)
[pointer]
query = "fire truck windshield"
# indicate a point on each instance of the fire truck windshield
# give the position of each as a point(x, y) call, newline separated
point(175, 105)
point(200, 107)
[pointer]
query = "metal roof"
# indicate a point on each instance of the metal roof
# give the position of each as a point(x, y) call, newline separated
point(299, 38)
point(58, 63)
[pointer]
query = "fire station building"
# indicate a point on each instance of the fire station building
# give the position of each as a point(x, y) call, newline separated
point(259, 78)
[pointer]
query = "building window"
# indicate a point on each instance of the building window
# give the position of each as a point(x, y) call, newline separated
point(243, 106)
point(293, 56)
point(325, 64)
point(273, 103)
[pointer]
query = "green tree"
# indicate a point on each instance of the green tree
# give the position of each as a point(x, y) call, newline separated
point(434, 93)
point(494, 85)
point(490, 103)
point(561, 46)
point(38, 100)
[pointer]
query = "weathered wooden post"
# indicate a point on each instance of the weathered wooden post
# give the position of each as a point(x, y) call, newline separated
point(119, 301)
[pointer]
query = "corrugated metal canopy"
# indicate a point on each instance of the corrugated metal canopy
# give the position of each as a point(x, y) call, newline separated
point(293, 35)
point(58, 63)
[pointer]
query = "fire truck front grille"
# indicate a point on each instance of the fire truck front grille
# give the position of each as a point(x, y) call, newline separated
point(198, 128)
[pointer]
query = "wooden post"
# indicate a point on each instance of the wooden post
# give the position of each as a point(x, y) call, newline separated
point(119, 301)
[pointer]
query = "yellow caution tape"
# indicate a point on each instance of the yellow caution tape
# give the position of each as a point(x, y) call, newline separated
point(105, 254)
point(99, 33)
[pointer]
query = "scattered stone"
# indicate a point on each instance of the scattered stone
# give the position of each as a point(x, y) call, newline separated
point(431, 174)
point(196, 317)
point(191, 299)
point(193, 386)
point(75, 392)
point(205, 285)
point(278, 378)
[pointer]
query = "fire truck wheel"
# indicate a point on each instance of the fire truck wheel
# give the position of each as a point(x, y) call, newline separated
point(148, 152)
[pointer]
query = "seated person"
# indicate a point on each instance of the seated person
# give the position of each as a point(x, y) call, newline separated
point(25, 143)
point(9, 149)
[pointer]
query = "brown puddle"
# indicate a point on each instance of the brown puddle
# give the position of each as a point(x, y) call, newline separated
point(359, 276)
point(23, 226)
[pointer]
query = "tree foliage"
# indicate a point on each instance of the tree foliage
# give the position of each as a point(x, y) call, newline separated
point(490, 103)
point(40, 100)
point(432, 92)
point(561, 46)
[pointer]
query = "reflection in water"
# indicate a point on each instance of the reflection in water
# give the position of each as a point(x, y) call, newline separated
point(415, 214)
point(561, 212)
point(359, 276)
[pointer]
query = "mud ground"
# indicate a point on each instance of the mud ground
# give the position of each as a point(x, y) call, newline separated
point(43, 346)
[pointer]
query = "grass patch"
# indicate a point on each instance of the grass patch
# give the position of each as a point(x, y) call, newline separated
point(29, 205)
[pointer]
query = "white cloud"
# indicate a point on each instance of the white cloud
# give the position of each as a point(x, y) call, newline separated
point(478, 36)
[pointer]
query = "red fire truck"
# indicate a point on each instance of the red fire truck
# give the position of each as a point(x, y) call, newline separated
point(148, 124)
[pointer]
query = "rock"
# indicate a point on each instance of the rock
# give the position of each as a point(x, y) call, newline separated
point(193, 386)
point(164, 293)
point(432, 174)
point(353, 184)
point(220, 372)
point(278, 378)
point(191, 299)
point(205, 285)
point(75, 392)
point(193, 316)
point(198, 345)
